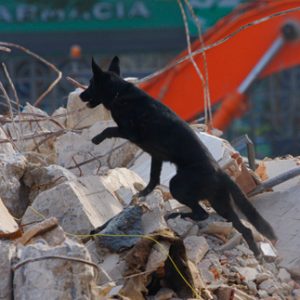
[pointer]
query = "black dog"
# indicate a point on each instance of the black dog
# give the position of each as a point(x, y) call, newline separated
point(160, 132)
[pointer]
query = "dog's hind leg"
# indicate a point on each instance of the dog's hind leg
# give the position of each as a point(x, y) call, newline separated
point(221, 203)
point(156, 166)
point(184, 190)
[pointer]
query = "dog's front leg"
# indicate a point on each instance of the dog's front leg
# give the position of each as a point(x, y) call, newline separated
point(156, 166)
point(107, 133)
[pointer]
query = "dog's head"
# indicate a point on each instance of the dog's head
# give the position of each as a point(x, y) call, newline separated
point(104, 85)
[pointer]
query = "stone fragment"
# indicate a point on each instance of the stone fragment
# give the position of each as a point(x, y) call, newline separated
point(122, 231)
point(121, 178)
point(249, 274)
point(79, 115)
point(12, 168)
point(39, 179)
point(44, 272)
point(76, 151)
point(284, 275)
point(231, 293)
point(270, 286)
point(79, 206)
point(233, 242)
point(8, 225)
point(158, 255)
point(268, 251)
point(34, 130)
point(7, 253)
point(60, 116)
point(165, 294)
point(6, 148)
point(224, 228)
point(153, 218)
point(179, 225)
point(196, 248)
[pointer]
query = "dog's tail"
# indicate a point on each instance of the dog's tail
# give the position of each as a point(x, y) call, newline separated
point(246, 207)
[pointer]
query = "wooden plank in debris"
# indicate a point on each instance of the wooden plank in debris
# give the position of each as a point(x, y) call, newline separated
point(37, 229)
point(8, 226)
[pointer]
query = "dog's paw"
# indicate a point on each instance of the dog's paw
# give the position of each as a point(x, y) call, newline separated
point(95, 141)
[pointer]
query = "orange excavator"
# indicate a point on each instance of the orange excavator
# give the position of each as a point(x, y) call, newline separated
point(255, 40)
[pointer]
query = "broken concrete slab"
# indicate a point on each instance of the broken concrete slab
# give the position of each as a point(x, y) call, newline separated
point(7, 253)
point(12, 168)
point(34, 130)
point(6, 148)
point(122, 231)
point(76, 152)
point(8, 226)
point(153, 219)
point(39, 179)
point(196, 247)
point(61, 272)
point(80, 206)
point(282, 210)
point(122, 182)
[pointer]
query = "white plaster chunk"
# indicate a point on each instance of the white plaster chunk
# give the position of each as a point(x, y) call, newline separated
point(7, 253)
point(80, 206)
point(12, 168)
point(43, 178)
point(153, 219)
point(30, 132)
point(196, 248)
point(53, 278)
point(8, 225)
point(74, 149)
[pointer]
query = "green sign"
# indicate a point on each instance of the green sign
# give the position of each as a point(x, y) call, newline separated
point(83, 15)
point(72, 15)
point(210, 11)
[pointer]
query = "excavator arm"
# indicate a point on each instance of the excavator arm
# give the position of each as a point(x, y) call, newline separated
point(257, 39)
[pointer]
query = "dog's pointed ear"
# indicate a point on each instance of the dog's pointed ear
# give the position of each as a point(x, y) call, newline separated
point(115, 65)
point(96, 69)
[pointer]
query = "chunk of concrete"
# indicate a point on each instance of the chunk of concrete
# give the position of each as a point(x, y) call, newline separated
point(12, 168)
point(39, 179)
point(77, 153)
point(79, 115)
point(33, 131)
point(196, 247)
point(282, 210)
point(7, 253)
point(79, 206)
point(153, 218)
point(8, 225)
point(61, 272)
point(6, 148)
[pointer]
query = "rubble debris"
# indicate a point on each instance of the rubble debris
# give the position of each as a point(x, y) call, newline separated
point(122, 231)
point(7, 253)
point(12, 168)
point(8, 225)
point(80, 206)
point(61, 272)
point(76, 152)
point(65, 189)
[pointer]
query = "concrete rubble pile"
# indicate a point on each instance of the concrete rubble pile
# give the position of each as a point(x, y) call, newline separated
point(72, 227)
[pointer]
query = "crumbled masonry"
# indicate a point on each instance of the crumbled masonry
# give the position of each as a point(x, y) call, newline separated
point(58, 189)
